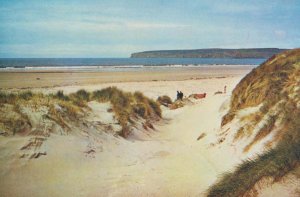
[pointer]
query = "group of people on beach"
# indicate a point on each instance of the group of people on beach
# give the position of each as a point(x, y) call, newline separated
point(179, 95)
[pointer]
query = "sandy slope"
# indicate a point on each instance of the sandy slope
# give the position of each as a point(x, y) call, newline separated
point(166, 162)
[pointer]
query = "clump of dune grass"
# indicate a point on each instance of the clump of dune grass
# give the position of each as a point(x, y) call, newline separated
point(7, 97)
point(263, 132)
point(120, 104)
point(82, 95)
point(177, 104)
point(264, 83)
point(271, 84)
point(80, 98)
point(25, 95)
point(154, 105)
point(127, 106)
point(274, 164)
point(164, 100)
point(63, 108)
point(151, 107)
point(60, 95)
point(14, 122)
point(141, 110)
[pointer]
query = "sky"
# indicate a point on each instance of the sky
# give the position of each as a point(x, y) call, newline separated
point(116, 28)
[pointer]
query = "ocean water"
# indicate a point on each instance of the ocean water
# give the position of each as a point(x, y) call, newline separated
point(116, 63)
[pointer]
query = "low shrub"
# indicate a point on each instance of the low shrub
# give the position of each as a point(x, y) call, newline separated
point(60, 95)
point(82, 95)
point(25, 95)
point(164, 100)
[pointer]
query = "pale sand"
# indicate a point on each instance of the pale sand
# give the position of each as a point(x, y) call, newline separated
point(169, 161)
point(29, 79)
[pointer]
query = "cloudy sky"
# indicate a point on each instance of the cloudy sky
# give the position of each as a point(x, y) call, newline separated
point(116, 28)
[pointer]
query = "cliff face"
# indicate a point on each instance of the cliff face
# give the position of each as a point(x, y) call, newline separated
point(210, 53)
point(263, 123)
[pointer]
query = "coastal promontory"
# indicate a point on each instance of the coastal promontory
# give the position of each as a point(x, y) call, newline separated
point(210, 53)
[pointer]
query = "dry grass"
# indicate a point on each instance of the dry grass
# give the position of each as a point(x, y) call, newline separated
point(270, 83)
point(239, 134)
point(263, 132)
point(275, 163)
point(65, 108)
point(177, 104)
point(164, 100)
point(60, 95)
point(127, 106)
point(264, 83)
point(227, 118)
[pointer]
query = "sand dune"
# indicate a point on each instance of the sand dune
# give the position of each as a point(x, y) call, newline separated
point(169, 161)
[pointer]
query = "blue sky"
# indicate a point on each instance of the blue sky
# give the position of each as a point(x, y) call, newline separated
point(110, 28)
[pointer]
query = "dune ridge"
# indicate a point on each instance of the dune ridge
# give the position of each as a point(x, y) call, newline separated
point(38, 115)
point(264, 119)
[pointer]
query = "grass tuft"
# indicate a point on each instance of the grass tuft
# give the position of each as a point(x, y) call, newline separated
point(164, 100)
point(60, 95)
point(63, 108)
point(82, 95)
point(275, 164)
point(25, 95)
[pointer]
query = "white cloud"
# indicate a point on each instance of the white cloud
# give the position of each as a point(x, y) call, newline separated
point(96, 27)
point(280, 33)
point(146, 25)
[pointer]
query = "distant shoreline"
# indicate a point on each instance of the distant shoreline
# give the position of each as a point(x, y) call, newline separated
point(117, 63)
point(120, 68)
point(210, 53)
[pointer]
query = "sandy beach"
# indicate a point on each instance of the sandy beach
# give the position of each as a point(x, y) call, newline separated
point(182, 155)
point(43, 78)
point(149, 98)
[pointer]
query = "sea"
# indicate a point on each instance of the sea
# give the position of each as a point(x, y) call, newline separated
point(117, 64)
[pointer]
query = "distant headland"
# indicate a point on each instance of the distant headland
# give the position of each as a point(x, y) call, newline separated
point(210, 53)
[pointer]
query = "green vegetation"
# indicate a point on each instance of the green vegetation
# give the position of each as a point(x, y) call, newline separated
point(275, 84)
point(64, 108)
point(210, 53)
